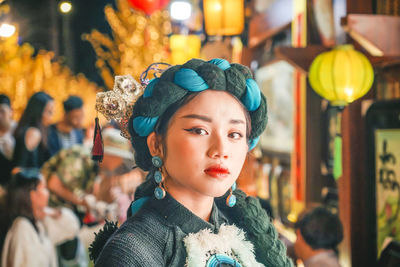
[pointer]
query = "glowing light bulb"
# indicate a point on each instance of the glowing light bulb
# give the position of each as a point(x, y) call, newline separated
point(349, 92)
point(7, 30)
point(217, 6)
point(65, 7)
point(181, 10)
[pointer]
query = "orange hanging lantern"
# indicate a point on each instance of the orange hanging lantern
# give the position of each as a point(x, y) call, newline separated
point(223, 17)
point(184, 47)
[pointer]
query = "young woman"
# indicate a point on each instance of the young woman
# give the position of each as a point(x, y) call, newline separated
point(31, 133)
point(192, 129)
point(31, 231)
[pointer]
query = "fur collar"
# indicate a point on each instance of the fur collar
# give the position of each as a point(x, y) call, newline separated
point(229, 241)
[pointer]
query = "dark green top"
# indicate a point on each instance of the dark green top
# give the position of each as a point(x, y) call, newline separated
point(154, 236)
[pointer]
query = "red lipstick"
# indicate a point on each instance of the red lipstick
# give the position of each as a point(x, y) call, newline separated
point(217, 171)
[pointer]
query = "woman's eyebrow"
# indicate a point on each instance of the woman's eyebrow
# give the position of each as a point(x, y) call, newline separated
point(196, 116)
point(236, 121)
point(208, 119)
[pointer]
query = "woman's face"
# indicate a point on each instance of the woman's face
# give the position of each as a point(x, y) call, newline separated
point(39, 199)
point(48, 113)
point(206, 144)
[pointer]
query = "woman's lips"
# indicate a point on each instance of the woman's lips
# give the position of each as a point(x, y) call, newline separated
point(217, 172)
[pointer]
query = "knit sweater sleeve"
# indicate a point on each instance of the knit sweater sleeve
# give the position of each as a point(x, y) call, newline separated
point(138, 242)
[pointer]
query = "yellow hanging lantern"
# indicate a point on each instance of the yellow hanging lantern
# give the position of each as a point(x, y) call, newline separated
point(223, 17)
point(184, 47)
point(341, 75)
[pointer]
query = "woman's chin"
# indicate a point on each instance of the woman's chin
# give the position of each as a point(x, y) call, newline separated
point(218, 192)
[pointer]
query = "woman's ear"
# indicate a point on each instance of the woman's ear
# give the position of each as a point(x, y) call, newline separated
point(154, 144)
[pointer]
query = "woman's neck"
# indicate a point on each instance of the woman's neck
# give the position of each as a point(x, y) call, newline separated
point(198, 204)
point(38, 214)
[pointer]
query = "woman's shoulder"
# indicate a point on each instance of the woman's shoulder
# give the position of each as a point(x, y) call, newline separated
point(147, 223)
point(140, 241)
point(22, 223)
point(21, 228)
point(32, 138)
point(27, 131)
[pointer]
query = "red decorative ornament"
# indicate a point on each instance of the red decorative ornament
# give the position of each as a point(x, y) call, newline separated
point(148, 6)
point(98, 148)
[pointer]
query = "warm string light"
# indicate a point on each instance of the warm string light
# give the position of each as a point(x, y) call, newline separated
point(6, 29)
point(22, 74)
point(138, 40)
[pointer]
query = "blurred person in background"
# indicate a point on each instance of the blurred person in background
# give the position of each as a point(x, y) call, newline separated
point(68, 131)
point(7, 141)
point(70, 175)
point(117, 182)
point(319, 232)
point(31, 146)
point(95, 192)
point(77, 181)
point(32, 228)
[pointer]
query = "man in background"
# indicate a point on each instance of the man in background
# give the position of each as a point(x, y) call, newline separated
point(7, 141)
point(68, 131)
point(319, 232)
point(72, 176)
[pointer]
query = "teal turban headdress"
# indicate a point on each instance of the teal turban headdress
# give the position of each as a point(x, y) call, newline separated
point(194, 76)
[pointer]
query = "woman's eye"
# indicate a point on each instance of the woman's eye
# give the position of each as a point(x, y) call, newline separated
point(198, 131)
point(235, 135)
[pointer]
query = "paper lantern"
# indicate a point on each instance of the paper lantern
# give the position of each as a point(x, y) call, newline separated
point(223, 17)
point(148, 6)
point(184, 47)
point(341, 75)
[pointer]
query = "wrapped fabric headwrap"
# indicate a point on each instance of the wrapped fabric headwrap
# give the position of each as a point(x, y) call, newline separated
point(194, 76)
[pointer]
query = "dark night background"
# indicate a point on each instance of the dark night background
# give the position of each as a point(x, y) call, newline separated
point(43, 26)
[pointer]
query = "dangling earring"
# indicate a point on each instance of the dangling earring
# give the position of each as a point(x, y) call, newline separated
point(159, 192)
point(231, 199)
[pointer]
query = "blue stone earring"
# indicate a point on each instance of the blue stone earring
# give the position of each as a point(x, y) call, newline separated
point(159, 192)
point(231, 199)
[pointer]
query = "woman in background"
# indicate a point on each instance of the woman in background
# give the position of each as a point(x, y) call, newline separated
point(31, 133)
point(32, 228)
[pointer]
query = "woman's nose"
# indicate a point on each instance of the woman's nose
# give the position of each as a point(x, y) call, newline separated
point(218, 147)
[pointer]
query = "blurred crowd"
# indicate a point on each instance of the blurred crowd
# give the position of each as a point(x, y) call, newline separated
point(53, 196)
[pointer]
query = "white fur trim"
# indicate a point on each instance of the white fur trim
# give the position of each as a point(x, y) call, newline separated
point(229, 241)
